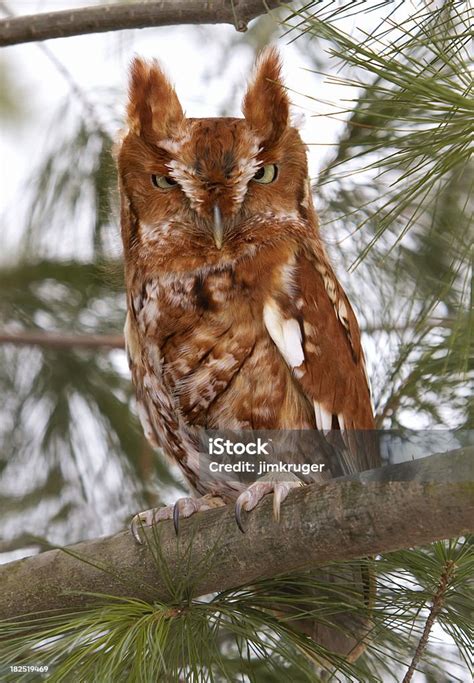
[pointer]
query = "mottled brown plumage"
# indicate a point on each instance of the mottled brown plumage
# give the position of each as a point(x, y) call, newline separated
point(236, 319)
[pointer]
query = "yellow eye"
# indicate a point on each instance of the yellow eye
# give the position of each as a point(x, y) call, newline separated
point(266, 174)
point(164, 182)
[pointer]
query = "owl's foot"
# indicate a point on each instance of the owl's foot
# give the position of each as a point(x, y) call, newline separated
point(278, 484)
point(184, 507)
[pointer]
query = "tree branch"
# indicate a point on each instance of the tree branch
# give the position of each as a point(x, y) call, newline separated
point(398, 506)
point(58, 340)
point(99, 19)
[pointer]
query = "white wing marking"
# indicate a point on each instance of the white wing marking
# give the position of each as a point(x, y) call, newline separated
point(317, 414)
point(323, 417)
point(285, 333)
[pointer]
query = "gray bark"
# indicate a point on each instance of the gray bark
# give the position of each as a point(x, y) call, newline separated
point(379, 511)
point(99, 19)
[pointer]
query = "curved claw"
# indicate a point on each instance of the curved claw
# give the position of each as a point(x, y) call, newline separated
point(134, 526)
point(141, 520)
point(249, 499)
point(280, 494)
point(238, 515)
point(176, 516)
point(146, 519)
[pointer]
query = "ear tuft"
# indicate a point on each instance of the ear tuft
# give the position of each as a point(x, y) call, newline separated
point(266, 106)
point(153, 108)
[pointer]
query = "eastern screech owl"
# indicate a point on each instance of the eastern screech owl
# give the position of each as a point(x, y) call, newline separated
point(236, 319)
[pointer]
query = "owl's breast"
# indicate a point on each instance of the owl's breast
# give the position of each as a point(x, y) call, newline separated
point(217, 360)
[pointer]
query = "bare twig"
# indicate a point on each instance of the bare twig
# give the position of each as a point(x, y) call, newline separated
point(104, 18)
point(399, 506)
point(58, 340)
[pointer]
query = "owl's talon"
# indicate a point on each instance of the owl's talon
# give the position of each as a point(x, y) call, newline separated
point(148, 518)
point(270, 483)
point(134, 526)
point(184, 507)
point(238, 516)
point(280, 492)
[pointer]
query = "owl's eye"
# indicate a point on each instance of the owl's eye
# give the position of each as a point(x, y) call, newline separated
point(164, 182)
point(266, 174)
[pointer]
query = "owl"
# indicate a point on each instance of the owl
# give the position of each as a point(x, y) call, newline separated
point(236, 319)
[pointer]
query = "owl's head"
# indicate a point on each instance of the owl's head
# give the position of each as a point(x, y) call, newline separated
point(208, 191)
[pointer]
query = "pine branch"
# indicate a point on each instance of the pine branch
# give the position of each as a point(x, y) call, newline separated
point(398, 506)
point(436, 607)
point(100, 19)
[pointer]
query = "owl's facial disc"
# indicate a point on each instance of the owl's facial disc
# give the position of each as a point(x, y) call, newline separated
point(210, 191)
point(214, 167)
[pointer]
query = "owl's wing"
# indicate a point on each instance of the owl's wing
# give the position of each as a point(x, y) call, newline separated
point(316, 331)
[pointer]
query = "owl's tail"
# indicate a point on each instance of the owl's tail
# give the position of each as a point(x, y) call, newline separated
point(334, 609)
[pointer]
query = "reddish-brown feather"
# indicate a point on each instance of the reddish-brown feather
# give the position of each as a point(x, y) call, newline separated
point(334, 371)
point(153, 109)
point(266, 106)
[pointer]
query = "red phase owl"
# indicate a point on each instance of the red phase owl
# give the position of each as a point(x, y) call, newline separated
point(236, 319)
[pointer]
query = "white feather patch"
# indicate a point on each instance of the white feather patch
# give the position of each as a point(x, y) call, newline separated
point(246, 169)
point(342, 311)
point(187, 179)
point(285, 333)
point(317, 415)
point(330, 288)
point(323, 417)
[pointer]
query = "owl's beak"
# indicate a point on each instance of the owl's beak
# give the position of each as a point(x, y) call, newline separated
point(218, 227)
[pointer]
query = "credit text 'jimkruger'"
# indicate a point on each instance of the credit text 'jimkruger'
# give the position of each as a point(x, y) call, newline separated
point(263, 467)
point(221, 446)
